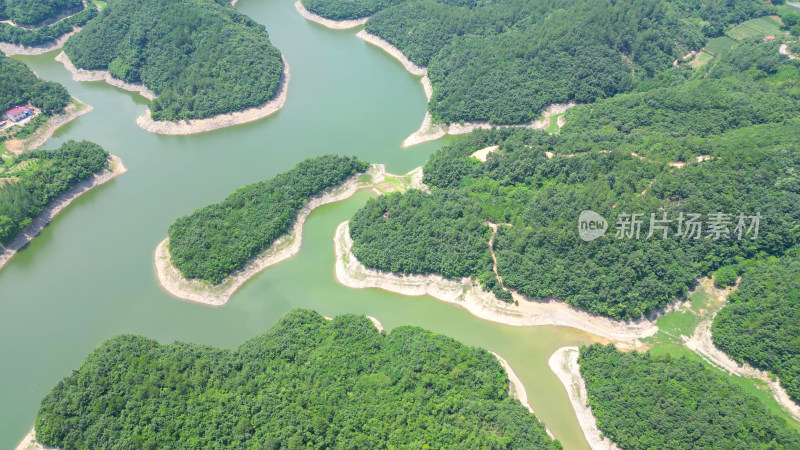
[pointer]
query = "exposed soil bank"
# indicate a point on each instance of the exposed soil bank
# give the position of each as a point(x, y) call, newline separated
point(103, 75)
point(332, 24)
point(564, 363)
point(29, 443)
point(16, 49)
point(469, 294)
point(283, 248)
point(115, 168)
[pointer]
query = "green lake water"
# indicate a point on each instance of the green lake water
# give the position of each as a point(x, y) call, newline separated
point(90, 276)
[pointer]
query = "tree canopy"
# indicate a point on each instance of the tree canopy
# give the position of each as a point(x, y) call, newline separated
point(536, 185)
point(201, 58)
point(761, 323)
point(20, 86)
point(643, 401)
point(504, 61)
point(29, 182)
point(27, 12)
point(213, 242)
point(44, 34)
point(308, 382)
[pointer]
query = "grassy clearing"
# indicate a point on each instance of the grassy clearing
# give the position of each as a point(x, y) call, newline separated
point(700, 60)
point(553, 127)
point(719, 45)
point(99, 4)
point(756, 28)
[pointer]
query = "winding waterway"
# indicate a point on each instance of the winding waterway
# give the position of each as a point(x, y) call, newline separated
point(90, 276)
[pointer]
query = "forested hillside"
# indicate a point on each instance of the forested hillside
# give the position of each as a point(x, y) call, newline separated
point(761, 323)
point(748, 168)
point(32, 180)
point(502, 62)
point(307, 382)
point(20, 86)
point(643, 402)
point(46, 33)
point(213, 242)
point(201, 57)
point(29, 12)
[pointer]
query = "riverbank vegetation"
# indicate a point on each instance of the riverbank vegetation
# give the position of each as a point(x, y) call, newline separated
point(503, 62)
point(201, 58)
point(29, 182)
point(25, 12)
point(536, 185)
point(44, 34)
point(213, 242)
point(761, 324)
point(643, 401)
point(307, 382)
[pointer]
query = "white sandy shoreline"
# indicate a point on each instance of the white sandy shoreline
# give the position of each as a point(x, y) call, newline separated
point(564, 363)
point(27, 234)
point(16, 49)
point(283, 248)
point(184, 127)
point(29, 442)
point(332, 24)
point(469, 295)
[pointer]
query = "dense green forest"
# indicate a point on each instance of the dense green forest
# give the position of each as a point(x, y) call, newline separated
point(306, 383)
point(761, 323)
point(201, 57)
point(28, 12)
point(47, 33)
point(504, 61)
point(214, 241)
point(32, 180)
point(752, 169)
point(643, 401)
point(20, 86)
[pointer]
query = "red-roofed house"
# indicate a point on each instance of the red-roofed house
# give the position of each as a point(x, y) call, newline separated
point(19, 113)
point(769, 38)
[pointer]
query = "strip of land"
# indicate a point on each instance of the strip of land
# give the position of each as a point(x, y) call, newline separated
point(29, 442)
point(16, 49)
point(282, 249)
point(115, 168)
point(74, 110)
point(701, 343)
point(468, 294)
point(103, 75)
point(515, 387)
point(332, 24)
point(564, 363)
point(429, 131)
point(184, 127)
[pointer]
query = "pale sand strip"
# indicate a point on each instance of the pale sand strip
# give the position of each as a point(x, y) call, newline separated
point(40, 136)
point(29, 443)
point(376, 322)
point(332, 24)
point(16, 49)
point(516, 389)
point(469, 295)
point(409, 65)
point(103, 75)
point(564, 363)
point(193, 126)
point(701, 342)
point(115, 168)
point(283, 248)
point(429, 131)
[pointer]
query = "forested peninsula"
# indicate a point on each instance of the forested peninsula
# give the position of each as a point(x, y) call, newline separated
point(214, 242)
point(691, 143)
point(643, 401)
point(202, 59)
point(19, 86)
point(35, 186)
point(306, 382)
point(504, 62)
